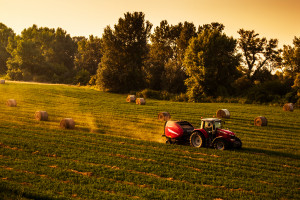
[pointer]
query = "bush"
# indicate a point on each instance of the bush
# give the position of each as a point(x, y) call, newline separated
point(297, 104)
point(292, 96)
point(154, 94)
point(82, 77)
point(241, 85)
point(15, 74)
point(222, 91)
point(38, 78)
point(181, 98)
point(268, 91)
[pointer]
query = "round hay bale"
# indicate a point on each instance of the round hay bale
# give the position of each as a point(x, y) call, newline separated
point(164, 116)
point(140, 101)
point(67, 123)
point(260, 121)
point(131, 98)
point(41, 115)
point(288, 107)
point(2, 81)
point(11, 103)
point(223, 113)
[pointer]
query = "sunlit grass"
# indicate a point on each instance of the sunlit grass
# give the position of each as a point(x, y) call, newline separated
point(116, 150)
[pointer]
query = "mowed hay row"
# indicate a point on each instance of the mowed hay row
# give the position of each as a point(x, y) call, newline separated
point(131, 98)
point(41, 115)
point(140, 101)
point(164, 116)
point(67, 123)
point(11, 103)
point(288, 107)
point(260, 121)
point(223, 113)
point(2, 81)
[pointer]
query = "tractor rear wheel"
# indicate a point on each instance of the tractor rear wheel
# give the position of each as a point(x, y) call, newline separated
point(220, 144)
point(197, 140)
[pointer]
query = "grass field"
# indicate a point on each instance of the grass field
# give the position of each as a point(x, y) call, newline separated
point(116, 150)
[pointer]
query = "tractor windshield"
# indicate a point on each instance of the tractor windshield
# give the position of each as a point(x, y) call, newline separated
point(218, 124)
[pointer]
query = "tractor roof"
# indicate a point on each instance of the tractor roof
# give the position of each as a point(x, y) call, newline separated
point(211, 119)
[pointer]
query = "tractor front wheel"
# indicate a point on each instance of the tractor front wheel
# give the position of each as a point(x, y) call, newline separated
point(238, 143)
point(220, 144)
point(196, 140)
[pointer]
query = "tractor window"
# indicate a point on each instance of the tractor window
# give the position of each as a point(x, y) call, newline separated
point(218, 125)
point(208, 126)
point(202, 124)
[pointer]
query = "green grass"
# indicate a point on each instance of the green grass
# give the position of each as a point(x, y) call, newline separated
point(116, 150)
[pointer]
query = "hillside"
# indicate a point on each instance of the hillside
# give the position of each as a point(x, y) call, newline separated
point(116, 150)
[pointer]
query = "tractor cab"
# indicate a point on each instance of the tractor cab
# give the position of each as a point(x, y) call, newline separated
point(211, 125)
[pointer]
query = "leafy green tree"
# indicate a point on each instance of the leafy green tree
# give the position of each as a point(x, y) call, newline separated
point(296, 86)
point(64, 49)
point(82, 77)
point(88, 58)
point(258, 53)
point(125, 49)
point(187, 32)
point(165, 70)
point(159, 54)
point(291, 59)
point(173, 77)
point(174, 74)
point(297, 81)
point(41, 54)
point(26, 56)
point(211, 63)
point(77, 39)
point(5, 34)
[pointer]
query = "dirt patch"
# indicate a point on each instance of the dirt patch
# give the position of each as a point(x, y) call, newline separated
point(8, 147)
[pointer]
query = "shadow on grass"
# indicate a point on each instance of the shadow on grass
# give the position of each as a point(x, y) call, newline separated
point(287, 129)
point(7, 193)
point(270, 153)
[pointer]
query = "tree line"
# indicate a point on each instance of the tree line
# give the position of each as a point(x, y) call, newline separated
point(191, 63)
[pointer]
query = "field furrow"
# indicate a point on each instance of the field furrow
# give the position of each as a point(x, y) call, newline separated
point(116, 150)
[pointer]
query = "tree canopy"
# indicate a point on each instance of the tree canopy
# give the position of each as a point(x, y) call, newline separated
point(258, 53)
point(125, 50)
point(211, 63)
point(174, 60)
point(291, 58)
point(87, 59)
point(5, 34)
point(165, 69)
point(41, 54)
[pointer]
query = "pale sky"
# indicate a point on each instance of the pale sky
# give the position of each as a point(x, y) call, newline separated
point(270, 18)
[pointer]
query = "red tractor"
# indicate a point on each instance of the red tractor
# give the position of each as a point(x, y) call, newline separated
point(210, 134)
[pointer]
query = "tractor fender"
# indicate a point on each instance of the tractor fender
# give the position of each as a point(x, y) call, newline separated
point(201, 131)
point(219, 138)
